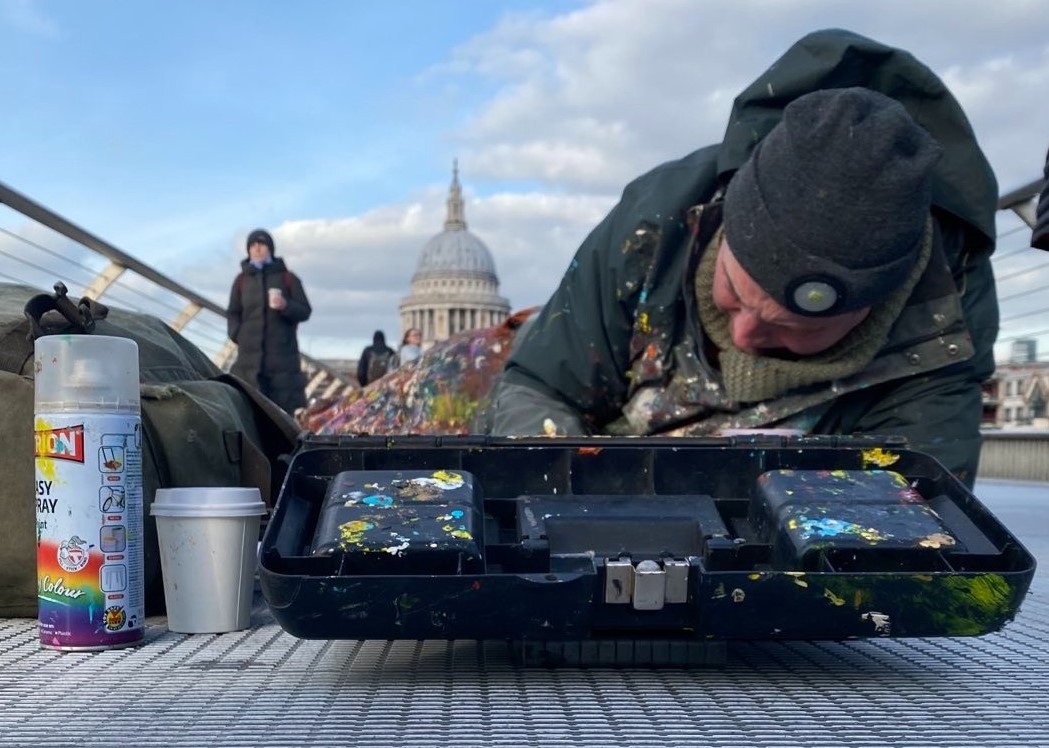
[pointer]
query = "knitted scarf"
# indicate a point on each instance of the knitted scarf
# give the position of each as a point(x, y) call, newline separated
point(750, 379)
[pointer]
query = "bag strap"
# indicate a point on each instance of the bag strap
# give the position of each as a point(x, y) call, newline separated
point(254, 466)
point(280, 435)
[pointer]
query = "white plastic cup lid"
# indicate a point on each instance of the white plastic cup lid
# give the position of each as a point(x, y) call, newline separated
point(207, 501)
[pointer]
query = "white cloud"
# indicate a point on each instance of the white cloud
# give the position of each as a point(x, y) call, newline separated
point(1004, 97)
point(624, 84)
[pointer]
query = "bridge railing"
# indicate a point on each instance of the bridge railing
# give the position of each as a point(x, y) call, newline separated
point(91, 266)
point(1015, 456)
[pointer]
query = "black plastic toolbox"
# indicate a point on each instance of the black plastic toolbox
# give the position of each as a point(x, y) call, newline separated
point(619, 549)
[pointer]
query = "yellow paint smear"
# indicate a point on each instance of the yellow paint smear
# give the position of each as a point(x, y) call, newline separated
point(839, 601)
point(878, 457)
point(351, 533)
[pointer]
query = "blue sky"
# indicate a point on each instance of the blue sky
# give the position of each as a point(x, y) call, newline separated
point(256, 112)
point(172, 129)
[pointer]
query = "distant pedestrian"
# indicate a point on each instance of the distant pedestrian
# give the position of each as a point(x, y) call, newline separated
point(266, 304)
point(376, 359)
point(411, 347)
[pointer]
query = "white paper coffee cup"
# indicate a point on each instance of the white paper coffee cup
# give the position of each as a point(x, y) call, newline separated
point(275, 295)
point(208, 551)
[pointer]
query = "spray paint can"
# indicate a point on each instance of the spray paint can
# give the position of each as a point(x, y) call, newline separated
point(88, 436)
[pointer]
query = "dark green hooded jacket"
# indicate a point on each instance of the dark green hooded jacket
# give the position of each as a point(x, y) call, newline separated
point(618, 347)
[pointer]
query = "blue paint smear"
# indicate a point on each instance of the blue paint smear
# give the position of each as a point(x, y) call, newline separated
point(378, 500)
point(826, 527)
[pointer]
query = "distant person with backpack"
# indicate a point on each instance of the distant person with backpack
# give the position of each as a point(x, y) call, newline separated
point(376, 360)
point(266, 304)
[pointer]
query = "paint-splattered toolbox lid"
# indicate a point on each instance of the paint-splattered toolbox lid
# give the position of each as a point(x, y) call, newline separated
point(399, 521)
point(821, 519)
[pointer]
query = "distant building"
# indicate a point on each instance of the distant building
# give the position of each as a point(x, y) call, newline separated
point(1024, 351)
point(1017, 395)
point(454, 288)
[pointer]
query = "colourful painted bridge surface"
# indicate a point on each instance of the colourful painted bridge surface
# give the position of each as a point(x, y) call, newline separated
point(263, 687)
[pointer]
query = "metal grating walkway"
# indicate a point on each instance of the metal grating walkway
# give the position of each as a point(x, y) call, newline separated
point(262, 687)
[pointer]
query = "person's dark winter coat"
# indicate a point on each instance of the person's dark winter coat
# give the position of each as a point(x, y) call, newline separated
point(376, 359)
point(618, 347)
point(267, 338)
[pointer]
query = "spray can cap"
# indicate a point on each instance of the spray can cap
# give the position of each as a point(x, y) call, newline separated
point(94, 372)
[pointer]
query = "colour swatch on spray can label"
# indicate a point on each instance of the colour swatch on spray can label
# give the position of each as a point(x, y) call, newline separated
point(89, 530)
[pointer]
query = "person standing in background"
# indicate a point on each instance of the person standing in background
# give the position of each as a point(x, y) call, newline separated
point(376, 359)
point(411, 347)
point(266, 304)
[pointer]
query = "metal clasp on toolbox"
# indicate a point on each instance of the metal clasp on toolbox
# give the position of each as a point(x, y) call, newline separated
point(648, 586)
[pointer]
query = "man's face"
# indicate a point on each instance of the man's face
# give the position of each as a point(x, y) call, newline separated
point(761, 326)
point(258, 252)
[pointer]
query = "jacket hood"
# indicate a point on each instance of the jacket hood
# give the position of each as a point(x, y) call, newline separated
point(963, 182)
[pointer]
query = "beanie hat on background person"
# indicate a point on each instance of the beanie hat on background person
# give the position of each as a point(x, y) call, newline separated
point(829, 212)
point(262, 236)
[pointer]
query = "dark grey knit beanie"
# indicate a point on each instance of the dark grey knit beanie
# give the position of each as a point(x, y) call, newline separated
point(262, 236)
point(828, 212)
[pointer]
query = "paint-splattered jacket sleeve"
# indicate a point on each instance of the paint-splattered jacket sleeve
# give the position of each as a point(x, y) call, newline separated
point(577, 353)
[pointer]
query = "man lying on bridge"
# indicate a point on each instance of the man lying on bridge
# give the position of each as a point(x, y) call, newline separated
point(825, 268)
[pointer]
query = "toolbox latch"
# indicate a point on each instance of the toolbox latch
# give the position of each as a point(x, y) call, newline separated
point(648, 586)
point(619, 580)
point(677, 580)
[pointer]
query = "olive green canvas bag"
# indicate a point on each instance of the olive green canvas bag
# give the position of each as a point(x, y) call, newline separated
point(201, 427)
